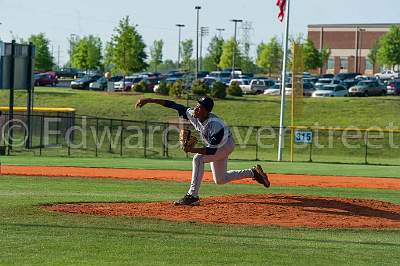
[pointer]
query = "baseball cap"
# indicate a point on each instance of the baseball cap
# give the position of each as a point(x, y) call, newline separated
point(206, 102)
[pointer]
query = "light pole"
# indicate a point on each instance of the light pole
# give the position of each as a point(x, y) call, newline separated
point(220, 30)
point(197, 42)
point(72, 40)
point(360, 47)
point(203, 32)
point(180, 26)
point(234, 46)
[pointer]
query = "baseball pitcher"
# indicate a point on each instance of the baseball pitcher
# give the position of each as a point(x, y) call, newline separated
point(219, 145)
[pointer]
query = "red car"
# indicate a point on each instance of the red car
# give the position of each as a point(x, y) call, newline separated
point(44, 79)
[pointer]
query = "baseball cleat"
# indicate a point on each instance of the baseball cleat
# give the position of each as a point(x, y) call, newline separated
point(260, 176)
point(188, 200)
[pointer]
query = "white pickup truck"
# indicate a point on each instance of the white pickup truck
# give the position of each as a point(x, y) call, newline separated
point(387, 74)
point(244, 84)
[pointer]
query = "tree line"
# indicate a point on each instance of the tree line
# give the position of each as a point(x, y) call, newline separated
point(126, 53)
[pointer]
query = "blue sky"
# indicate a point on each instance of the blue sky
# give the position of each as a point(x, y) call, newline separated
point(156, 19)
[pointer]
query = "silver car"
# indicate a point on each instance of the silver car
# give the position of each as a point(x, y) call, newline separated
point(367, 88)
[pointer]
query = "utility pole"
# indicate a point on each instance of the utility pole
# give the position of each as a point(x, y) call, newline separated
point(180, 26)
point(58, 56)
point(197, 42)
point(246, 30)
point(235, 21)
point(203, 32)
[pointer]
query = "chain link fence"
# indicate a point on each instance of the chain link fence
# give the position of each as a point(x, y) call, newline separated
point(84, 136)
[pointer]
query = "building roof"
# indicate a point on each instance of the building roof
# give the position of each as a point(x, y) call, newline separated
point(369, 25)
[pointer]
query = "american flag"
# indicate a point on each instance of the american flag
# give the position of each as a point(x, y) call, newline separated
point(281, 4)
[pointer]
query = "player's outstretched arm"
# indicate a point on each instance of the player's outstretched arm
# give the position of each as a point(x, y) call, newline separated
point(166, 103)
point(142, 102)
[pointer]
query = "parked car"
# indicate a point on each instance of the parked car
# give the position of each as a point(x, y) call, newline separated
point(84, 82)
point(100, 84)
point(328, 76)
point(322, 81)
point(67, 72)
point(344, 76)
point(244, 84)
point(274, 90)
point(116, 78)
point(348, 83)
point(387, 74)
point(308, 89)
point(258, 86)
point(310, 79)
point(393, 87)
point(367, 88)
point(44, 79)
point(126, 84)
point(331, 90)
point(151, 82)
point(209, 81)
point(222, 76)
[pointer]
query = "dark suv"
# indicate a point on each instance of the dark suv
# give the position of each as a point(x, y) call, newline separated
point(344, 76)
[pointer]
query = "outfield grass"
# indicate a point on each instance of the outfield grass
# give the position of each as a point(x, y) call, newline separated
point(185, 164)
point(245, 111)
point(32, 236)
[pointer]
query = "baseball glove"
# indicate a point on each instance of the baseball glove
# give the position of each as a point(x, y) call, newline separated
point(186, 139)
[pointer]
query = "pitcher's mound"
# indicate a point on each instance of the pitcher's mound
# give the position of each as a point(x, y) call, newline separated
point(282, 210)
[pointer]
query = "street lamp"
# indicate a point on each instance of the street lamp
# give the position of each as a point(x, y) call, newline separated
point(203, 32)
point(220, 30)
point(197, 41)
point(360, 47)
point(180, 26)
point(234, 46)
point(72, 40)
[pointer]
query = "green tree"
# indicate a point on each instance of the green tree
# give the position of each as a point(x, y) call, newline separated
point(389, 48)
point(227, 54)
point(187, 52)
point(269, 56)
point(167, 65)
point(213, 57)
point(311, 56)
point(324, 54)
point(128, 49)
point(108, 57)
point(373, 54)
point(43, 58)
point(156, 54)
point(234, 89)
point(86, 53)
point(218, 90)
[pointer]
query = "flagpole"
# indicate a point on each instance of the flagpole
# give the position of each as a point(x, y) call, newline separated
point(283, 84)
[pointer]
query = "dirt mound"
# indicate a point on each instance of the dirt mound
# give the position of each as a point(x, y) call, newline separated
point(282, 210)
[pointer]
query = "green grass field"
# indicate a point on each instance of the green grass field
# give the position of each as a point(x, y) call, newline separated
point(185, 164)
point(32, 236)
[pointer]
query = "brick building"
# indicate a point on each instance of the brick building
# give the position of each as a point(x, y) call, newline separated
point(349, 45)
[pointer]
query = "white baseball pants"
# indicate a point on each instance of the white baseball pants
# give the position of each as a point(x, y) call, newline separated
point(219, 164)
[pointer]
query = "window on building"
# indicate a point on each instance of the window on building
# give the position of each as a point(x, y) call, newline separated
point(344, 62)
point(331, 62)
